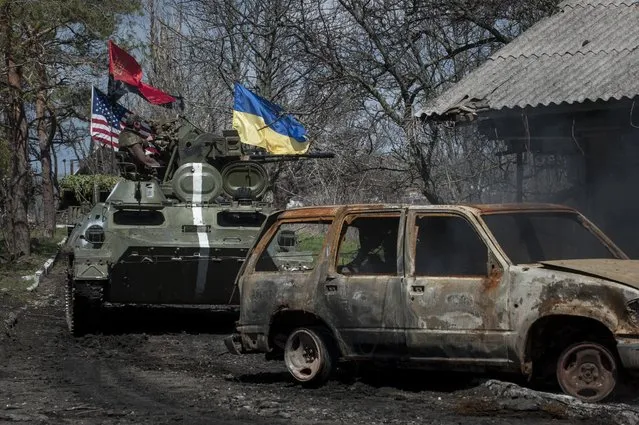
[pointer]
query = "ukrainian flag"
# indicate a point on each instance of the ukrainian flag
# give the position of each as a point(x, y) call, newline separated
point(263, 123)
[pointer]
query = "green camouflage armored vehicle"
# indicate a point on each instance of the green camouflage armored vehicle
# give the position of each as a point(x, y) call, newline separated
point(173, 231)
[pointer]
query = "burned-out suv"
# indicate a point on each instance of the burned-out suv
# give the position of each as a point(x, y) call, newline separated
point(534, 289)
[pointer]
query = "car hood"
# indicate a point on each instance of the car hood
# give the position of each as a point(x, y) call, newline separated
point(622, 271)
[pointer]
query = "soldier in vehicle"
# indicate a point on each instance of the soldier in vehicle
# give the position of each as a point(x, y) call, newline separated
point(165, 131)
point(134, 142)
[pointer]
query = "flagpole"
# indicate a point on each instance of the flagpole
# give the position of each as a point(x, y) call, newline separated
point(112, 147)
point(92, 144)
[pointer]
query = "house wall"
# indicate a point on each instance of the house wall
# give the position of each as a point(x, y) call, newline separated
point(611, 187)
point(595, 155)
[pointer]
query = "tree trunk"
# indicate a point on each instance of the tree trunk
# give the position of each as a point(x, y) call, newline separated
point(17, 132)
point(45, 137)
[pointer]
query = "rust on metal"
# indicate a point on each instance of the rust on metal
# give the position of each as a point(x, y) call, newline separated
point(512, 207)
point(488, 319)
point(588, 371)
point(327, 210)
point(351, 216)
point(309, 212)
point(626, 272)
point(493, 279)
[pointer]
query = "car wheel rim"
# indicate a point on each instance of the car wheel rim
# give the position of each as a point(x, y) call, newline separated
point(587, 371)
point(303, 357)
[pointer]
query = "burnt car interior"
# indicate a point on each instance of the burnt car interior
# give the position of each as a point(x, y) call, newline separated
point(448, 246)
point(532, 237)
point(368, 245)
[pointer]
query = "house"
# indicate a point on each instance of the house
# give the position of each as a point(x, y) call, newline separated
point(566, 88)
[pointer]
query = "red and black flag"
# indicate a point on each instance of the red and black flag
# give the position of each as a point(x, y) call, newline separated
point(125, 76)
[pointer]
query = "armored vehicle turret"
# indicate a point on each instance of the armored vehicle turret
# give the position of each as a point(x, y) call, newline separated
point(173, 231)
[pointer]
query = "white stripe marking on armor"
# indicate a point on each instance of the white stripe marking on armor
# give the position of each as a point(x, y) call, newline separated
point(203, 237)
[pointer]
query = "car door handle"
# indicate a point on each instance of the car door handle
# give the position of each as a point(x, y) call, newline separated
point(417, 289)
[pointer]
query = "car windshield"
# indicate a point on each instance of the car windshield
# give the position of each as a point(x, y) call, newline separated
point(533, 237)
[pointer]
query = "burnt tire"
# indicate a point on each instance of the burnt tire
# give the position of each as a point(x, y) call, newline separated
point(310, 356)
point(588, 371)
point(81, 312)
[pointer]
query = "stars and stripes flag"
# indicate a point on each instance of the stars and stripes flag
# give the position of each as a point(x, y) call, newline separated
point(107, 121)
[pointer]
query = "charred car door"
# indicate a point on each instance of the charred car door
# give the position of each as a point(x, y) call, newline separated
point(362, 291)
point(455, 291)
point(284, 270)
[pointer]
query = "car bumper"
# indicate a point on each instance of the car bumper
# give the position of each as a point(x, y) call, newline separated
point(628, 349)
point(233, 344)
point(248, 339)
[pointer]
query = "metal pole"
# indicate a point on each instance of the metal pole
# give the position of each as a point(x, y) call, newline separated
point(520, 177)
point(96, 193)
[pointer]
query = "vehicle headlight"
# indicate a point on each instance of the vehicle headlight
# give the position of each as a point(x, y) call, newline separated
point(633, 310)
point(94, 234)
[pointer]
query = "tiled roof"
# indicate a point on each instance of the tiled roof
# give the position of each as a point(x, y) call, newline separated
point(588, 50)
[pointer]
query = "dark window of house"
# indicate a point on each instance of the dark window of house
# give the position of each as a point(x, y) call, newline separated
point(295, 247)
point(138, 218)
point(368, 245)
point(240, 219)
point(448, 246)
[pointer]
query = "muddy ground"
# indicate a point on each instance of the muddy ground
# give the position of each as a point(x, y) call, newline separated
point(159, 366)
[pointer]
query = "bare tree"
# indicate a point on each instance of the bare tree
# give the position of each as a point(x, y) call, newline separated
point(354, 72)
point(396, 53)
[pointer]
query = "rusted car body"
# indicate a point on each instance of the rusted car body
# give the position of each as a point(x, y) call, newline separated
point(533, 289)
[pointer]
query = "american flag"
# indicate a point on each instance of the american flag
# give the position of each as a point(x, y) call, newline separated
point(107, 121)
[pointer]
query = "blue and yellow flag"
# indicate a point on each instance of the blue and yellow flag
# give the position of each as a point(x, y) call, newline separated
point(264, 124)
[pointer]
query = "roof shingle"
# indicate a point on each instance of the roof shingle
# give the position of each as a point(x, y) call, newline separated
point(588, 50)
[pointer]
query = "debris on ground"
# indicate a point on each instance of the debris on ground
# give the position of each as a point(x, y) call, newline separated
point(516, 398)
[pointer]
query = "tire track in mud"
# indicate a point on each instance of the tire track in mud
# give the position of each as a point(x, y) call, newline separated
point(89, 378)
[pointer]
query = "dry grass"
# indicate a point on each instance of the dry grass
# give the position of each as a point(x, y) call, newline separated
point(11, 272)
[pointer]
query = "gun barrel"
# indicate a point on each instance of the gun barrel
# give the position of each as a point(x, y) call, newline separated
point(277, 158)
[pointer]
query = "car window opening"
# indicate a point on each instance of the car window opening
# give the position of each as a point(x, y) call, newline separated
point(295, 247)
point(368, 245)
point(448, 246)
point(532, 237)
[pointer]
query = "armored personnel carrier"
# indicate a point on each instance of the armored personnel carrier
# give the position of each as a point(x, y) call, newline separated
point(174, 234)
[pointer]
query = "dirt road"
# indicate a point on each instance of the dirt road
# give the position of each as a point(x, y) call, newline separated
point(159, 366)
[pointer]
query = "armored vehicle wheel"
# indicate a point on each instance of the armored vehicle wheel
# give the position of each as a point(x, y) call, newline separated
point(588, 371)
point(82, 311)
point(309, 356)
